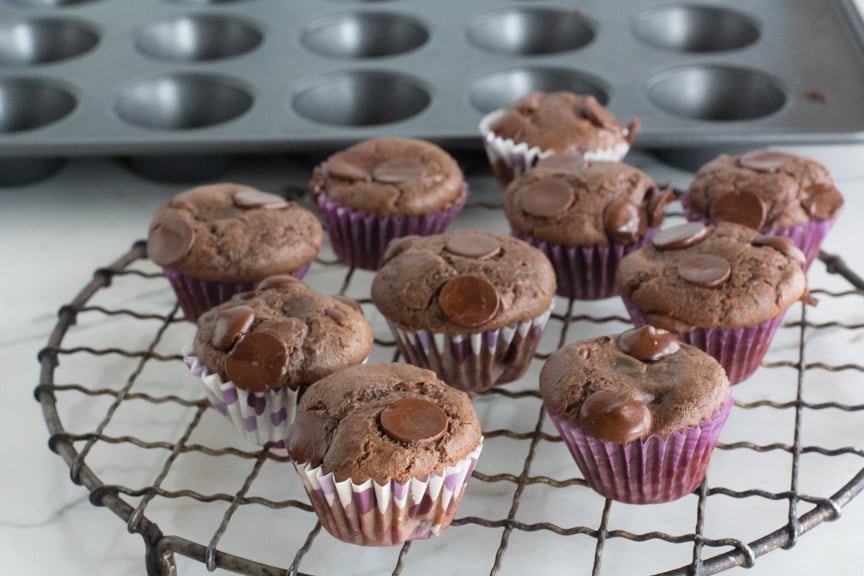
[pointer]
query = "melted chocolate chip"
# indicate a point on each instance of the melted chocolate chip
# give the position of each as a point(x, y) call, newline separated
point(414, 420)
point(169, 241)
point(530, 103)
point(704, 270)
point(823, 202)
point(469, 301)
point(547, 197)
point(608, 416)
point(742, 207)
point(253, 199)
point(231, 324)
point(782, 244)
point(763, 160)
point(598, 114)
point(258, 362)
point(473, 246)
point(337, 315)
point(624, 222)
point(648, 343)
point(350, 302)
point(339, 166)
point(397, 246)
point(399, 170)
point(278, 281)
point(563, 162)
point(681, 236)
point(657, 203)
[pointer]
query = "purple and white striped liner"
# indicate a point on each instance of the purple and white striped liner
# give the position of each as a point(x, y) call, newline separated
point(261, 417)
point(373, 514)
point(474, 362)
point(509, 160)
point(649, 470)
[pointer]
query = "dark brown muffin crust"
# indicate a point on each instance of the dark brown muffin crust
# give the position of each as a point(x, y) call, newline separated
point(778, 189)
point(460, 282)
point(234, 233)
point(284, 335)
point(341, 424)
point(391, 176)
point(729, 276)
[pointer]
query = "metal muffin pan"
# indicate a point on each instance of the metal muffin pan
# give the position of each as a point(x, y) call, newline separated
point(198, 77)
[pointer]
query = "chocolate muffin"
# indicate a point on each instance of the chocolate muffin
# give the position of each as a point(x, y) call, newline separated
point(384, 452)
point(258, 351)
point(216, 241)
point(770, 191)
point(640, 412)
point(723, 289)
point(543, 123)
point(382, 189)
point(470, 305)
point(585, 216)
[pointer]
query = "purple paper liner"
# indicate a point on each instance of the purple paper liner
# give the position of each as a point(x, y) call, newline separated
point(649, 470)
point(585, 272)
point(473, 363)
point(359, 239)
point(808, 237)
point(196, 296)
point(739, 350)
point(372, 514)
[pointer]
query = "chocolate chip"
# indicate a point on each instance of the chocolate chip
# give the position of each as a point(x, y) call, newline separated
point(782, 244)
point(252, 199)
point(647, 343)
point(258, 362)
point(231, 324)
point(350, 302)
point(279, 281)
point(704, 270)
point(337, 315)
point(339, 166)
point(611, 417)
point(583, 352)
point(471, 245)
point(763, 160)
point(823, 202)
point(742, 207)
point(624, 222)
point(547, 197)
point(563, 162)
point(597, 114)
point(681, 236)
point(169, 241)
point(657, 202)
point(399, 170)
point(469, 300)
point(530, 103)
point(397, 246)
point(414, 420)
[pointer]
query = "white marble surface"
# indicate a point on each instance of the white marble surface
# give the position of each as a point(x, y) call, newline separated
point(55, 233)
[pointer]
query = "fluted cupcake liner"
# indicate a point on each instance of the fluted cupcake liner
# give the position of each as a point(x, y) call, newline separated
point(474, 362)
point(649, 470)
point(739, 350)
point(585, 272)
point(509, 160)
point(196, 296)
point(359, 239)
point(373, 514)
point(808, 237)
point(261, 417)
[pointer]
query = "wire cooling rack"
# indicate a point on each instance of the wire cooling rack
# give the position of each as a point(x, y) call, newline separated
point(148, 447)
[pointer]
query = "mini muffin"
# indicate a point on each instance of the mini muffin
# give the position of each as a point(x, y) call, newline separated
point(216, 241)
point(382, 189)
point(258, 351)
point(384, 452)
point(773, 192)
point(723, 289)
point(543, 123)
point(640, 412)
point(470, 305)
point(585, 216)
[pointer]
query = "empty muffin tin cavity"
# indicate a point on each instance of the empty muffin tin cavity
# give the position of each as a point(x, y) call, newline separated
point(181, 101)
point(27, 104)
point(364, 35)
point(44, 40)
point(198, 37)
point(530, 31)
point(498, 89)
point(686, 28)
point(360, 98)
point(717, 93)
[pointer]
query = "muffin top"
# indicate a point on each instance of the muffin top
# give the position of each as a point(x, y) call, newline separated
point(560, 121)
point(282, 334)
point(462, 282)
point(229, 232)
point(391, 176)
point(765, 189)
point(642, 382)
point(564, 200)
point(384, 422)
point(725, 276)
